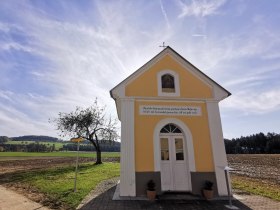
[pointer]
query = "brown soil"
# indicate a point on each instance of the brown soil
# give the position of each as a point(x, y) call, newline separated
point(265, 167)
point(41, 163)
point(9, 167)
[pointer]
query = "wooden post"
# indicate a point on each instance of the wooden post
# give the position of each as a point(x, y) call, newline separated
point(76, 171)
point(76, 140)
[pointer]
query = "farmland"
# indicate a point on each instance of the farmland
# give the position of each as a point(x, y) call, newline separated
point(257, 174)
point(58, 145)
point(18, 161)
point(32, 173)
point(48, 177)
point(23, 155)
point(264, 167)
point(54, 186)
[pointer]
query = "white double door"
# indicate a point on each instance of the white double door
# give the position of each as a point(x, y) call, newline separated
point(174, 169)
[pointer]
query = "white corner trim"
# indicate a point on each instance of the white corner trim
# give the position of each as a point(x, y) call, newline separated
point(218, 147)
point(127, 179)
point(119, 92)
point(219, 94)
point(187, 137)
point(176, 83)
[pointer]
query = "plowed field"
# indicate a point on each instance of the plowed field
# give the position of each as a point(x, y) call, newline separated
point(9, 166)
point(265, 167)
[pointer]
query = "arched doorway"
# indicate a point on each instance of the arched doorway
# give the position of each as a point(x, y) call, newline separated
point(173, 159)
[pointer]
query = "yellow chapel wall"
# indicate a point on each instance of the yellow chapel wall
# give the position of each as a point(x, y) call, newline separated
point(144, 129)
point(146, 84)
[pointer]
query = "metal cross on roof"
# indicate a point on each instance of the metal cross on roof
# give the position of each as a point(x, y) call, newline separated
point(163, 46)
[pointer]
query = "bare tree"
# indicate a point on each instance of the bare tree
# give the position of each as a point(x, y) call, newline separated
point(89, 123)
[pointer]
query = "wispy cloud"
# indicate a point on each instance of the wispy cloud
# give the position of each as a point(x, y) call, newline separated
point(271, 55)
point(84, 61)
point(7, 95)
point(14, 46)
point(54, 57)
point(252, 102)
point(164, 14)
point(246, 79)
point(200, 8)
point(199, 35)
point(7, 27)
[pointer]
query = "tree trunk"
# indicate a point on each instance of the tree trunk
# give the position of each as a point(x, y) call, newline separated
point(98, 156)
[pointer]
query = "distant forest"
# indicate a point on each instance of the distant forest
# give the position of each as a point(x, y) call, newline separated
point(34, 143)
point(254, 144)
point(36, 138)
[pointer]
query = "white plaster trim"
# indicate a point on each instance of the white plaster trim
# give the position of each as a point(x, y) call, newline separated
point(187, 137)
point(163, 99)
point(117, 94)
point(218, 147)
point(127, 179)
point(180, 100)
point(142, 69)
point(218, 92)
point(176, 83)
point(190, 68)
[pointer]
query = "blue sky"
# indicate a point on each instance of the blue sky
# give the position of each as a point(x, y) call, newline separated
point(56, 55)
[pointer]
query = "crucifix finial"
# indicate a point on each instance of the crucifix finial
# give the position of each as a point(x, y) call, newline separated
point(163, 46)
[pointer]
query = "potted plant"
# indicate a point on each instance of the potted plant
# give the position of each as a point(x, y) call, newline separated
point(208, 190)
point(151, 190)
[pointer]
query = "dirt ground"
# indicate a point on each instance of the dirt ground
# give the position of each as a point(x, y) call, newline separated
point(254, 166)
point(263, 167)
point(9, 166)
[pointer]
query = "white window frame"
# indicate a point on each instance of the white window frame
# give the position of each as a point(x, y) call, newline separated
point(176, 83)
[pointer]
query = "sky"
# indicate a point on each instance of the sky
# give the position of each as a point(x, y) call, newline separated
point(59, 54)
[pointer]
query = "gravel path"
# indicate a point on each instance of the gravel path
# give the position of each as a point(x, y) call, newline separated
point(10, 200)
point(100, 188)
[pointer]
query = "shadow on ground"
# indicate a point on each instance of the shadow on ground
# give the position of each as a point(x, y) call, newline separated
point(104, 202)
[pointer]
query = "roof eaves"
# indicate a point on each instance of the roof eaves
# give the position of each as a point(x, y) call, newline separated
point(168, 47)
point(200, 71)
point(130, 76)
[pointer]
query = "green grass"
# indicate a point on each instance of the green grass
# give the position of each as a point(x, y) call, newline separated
point(56, 154)
point(58, 184)
point(256, 186)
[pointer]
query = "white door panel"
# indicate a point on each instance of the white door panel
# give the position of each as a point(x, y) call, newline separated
point(174, 170)
point(166, 177)
point(180, 177)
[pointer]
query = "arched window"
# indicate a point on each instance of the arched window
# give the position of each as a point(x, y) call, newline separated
point(170, 128)
point(167, 83)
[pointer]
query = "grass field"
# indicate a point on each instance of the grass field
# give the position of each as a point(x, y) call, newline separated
point(12, 155)
point(256, 174)
point(58, 145)
point(256, 186)
point(57, 184)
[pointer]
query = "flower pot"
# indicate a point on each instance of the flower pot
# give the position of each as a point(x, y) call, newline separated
point(151, 195)
point(208, 194)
